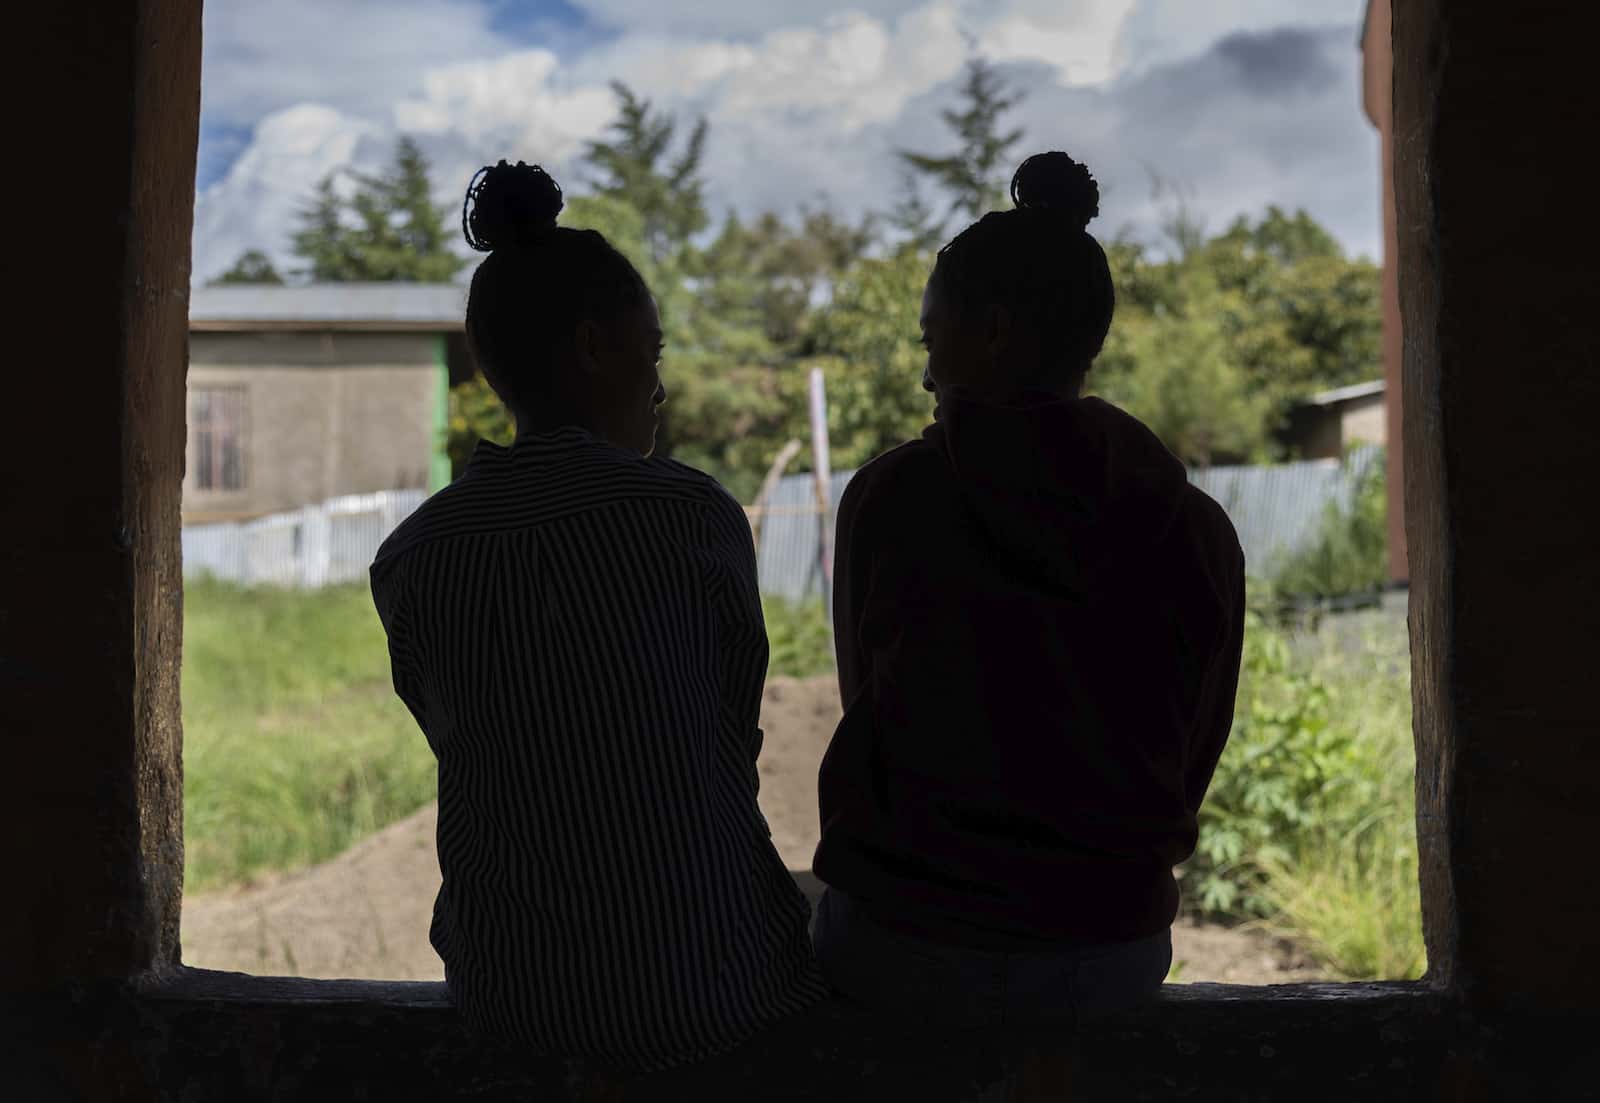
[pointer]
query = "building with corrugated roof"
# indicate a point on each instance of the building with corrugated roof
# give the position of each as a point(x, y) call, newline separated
point(299, 394)
point(1327, 425)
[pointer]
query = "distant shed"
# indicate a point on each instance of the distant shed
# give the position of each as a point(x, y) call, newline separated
point(297, 394)
point(1325, 425)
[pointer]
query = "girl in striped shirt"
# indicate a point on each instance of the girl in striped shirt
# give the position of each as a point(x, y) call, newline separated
point(576, 627)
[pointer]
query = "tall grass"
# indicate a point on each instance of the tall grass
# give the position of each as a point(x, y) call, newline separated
point(295, 746)
point(1309, 827)
point(294, 743)
point(1348, 893)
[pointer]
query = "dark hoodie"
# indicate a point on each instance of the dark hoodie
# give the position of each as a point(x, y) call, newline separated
point(1038, 623)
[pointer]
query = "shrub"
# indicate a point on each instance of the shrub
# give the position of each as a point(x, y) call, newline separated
point(1308, 827)
point(1350, 553)
point(1281, 772)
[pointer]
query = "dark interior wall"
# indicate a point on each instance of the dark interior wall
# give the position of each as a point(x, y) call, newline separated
point(89, 572)
point(1495, 109)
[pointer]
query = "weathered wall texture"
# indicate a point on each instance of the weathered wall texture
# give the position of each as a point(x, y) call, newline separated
point(1494, 109)
point(1378, 100)
point(1494, 115)
point(1365, 421)
point(328, 414)
point(212, 1036)
point(89, 626)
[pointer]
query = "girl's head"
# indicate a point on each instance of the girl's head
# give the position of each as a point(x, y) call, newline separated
point(1022, 299)
point(561, 324)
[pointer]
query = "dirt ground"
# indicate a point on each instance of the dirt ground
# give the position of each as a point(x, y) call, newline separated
point(366, 912)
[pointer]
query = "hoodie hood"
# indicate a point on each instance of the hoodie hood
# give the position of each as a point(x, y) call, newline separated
point(1069, 492)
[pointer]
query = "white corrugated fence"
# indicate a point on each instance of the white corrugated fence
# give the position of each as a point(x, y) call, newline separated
point(1277, 509)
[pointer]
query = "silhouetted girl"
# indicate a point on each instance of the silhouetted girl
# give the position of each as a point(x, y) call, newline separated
point(1038, 623)
point(577, 630)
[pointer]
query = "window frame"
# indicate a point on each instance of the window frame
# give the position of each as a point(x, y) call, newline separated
point(107, 997)
point(216, 460)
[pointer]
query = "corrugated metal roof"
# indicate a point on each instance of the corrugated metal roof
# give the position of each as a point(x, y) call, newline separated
point(411, 306)
point(1345, 394)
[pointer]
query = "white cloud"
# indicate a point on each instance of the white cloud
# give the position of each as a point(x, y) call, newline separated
point(1253, 121)
point(1161, 31)
point(356, 55)
point(518, 99)
point(729, 18)
point(1080, 40)
point(254, 205)
point(798, 111)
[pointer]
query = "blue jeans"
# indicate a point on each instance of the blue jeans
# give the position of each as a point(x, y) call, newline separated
point(956, 986)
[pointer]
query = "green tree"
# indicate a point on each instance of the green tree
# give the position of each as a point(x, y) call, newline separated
point(389, 229)
point(253, 266)
point(323, 239)
point(1214, 343)
point(1299, 315)
point(916, 226)
point(974, 175)
point(635, 167)
point(867, 343)
point(1168, 362)
point(771, 274)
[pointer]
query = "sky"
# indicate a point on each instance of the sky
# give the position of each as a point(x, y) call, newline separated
point(1236, 104)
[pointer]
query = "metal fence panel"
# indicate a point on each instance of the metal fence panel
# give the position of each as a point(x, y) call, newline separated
point(1276, 509)
point(317, 545)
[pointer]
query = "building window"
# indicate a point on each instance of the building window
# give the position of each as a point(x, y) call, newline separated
point(216, 425)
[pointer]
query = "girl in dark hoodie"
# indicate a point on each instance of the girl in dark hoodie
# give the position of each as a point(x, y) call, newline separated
point(1038, 628)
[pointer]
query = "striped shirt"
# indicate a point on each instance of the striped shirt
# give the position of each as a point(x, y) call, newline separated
point(578, 633)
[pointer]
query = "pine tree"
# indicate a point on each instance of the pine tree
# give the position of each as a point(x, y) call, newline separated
point(253, 266)
point(973, 176)
point(388, 230)
point(323, 239)
point(634, 167)
point(919, 230)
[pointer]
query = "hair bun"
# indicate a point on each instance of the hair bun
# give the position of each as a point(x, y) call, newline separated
point(1055, 182)
point(509, 205)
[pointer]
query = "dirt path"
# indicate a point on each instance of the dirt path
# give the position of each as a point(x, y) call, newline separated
point(366, 912)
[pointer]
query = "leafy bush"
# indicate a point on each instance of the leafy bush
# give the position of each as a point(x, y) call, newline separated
point(1350, 554)
point(1282, 770)
point(1308, 827)
point(1350, 895)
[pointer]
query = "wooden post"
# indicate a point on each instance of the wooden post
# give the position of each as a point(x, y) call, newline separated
point(820, 468)
point(758, 512)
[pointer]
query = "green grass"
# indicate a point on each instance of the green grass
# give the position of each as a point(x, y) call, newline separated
point(294, 743)
point(295, 747)
point(797, 637)
point(1348, 893)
